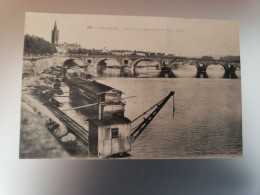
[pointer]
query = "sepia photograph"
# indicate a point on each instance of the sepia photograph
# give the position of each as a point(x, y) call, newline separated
point(130, 87)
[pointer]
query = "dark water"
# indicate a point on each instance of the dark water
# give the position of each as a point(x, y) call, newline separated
point(207, 120)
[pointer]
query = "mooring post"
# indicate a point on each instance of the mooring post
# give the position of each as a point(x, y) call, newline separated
point(173, 106)
point(99, 108)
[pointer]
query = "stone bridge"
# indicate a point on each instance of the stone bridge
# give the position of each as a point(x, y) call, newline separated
point(124, 61)
point(229, 67)
point(161, 63)
point(132, 61)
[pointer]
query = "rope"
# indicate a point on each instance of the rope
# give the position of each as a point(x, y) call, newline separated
point(147, 110)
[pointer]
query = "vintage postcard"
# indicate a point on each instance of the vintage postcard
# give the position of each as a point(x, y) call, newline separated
point(99, 86)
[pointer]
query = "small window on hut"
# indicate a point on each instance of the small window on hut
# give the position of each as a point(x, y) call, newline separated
point(114, 132)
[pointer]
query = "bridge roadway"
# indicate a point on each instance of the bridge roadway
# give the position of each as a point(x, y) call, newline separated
point(81, 132)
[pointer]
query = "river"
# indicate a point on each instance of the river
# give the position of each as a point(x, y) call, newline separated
point(207, 122)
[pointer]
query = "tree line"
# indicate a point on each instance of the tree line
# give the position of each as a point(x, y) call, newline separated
point(88, 52)
point(116, 52)
point(34, 45)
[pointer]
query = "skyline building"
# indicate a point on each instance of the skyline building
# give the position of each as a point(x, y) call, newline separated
point(55, 35)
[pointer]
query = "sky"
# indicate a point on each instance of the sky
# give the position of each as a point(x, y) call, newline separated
point(179, 36)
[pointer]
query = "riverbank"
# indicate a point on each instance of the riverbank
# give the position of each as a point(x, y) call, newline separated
point(35, 139)
point(43, 135)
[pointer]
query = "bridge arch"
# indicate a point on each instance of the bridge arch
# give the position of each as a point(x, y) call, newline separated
point(102, 62)
point(69, 62)
point(229, 68)
point(202, 65)
point(215, 70)
point(157, 66)
point(174, 64)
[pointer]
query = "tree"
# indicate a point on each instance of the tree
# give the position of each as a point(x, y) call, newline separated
point(34, 45)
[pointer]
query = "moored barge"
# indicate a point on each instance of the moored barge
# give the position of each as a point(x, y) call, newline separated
point(94, 92)
point(109, 129)
point(109, 132)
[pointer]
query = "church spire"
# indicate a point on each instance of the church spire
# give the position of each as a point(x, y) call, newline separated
point(55, 35)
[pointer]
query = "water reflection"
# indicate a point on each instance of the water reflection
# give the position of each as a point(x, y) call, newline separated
point(230, 72)
point(202, 75)
point(231, 75)
point(164, 72)
point(124, 72)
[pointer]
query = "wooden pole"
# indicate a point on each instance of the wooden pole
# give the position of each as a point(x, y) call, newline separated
point(173, 106)
point(81, 107)
point(99, 109)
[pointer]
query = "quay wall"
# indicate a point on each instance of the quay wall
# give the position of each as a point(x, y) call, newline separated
point(43, 64)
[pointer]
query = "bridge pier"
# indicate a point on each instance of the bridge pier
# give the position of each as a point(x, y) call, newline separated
point(202, 75)
point(126, 62)
point(166, 72)
point(136, 61)
point(201, 70)
point(230, 72)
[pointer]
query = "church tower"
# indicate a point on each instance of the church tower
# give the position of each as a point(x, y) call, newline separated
point(55, 35)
